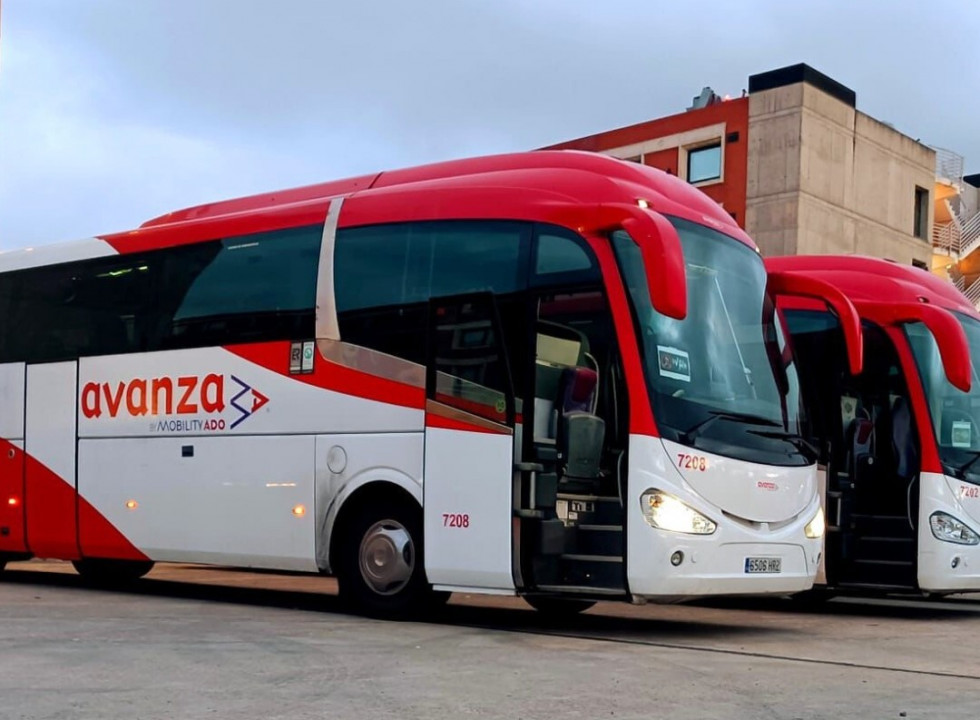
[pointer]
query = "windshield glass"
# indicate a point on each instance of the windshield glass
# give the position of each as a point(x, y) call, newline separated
point(955, 414)
point(722, 379)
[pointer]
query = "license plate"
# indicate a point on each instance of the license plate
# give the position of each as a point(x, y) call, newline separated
point(763, 565)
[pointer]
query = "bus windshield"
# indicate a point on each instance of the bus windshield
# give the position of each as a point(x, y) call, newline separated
point(722, 379)
point(955, 414)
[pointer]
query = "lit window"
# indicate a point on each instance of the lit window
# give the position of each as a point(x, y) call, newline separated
point(704, 163)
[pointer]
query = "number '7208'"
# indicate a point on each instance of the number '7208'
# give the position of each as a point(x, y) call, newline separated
point(455, 520)
point(692, 462)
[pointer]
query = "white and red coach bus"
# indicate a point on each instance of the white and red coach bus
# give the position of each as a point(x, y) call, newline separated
point(552, 374)
point(899, 441)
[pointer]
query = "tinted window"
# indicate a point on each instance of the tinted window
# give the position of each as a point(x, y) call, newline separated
point(243, 289)
point(561, 256)
point(468, 362)
point(255, 288)
point(385, 275)
point(61, 312)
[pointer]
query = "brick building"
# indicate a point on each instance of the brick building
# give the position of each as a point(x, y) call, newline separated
point(797, 165)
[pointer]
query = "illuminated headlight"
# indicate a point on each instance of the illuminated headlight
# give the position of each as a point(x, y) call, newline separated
point(668, 513)
point(815, 528)
point(948, 529)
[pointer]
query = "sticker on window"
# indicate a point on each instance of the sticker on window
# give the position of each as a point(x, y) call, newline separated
point(962, 434)
point(674, 363)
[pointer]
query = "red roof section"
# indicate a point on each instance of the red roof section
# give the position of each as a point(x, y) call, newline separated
point(578, 176)
point(868, 278)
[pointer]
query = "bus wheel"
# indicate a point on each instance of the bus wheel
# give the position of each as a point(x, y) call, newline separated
point(380, 570)
point(558, 607)
point(99, 571)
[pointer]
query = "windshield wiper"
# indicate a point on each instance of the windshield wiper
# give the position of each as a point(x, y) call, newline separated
point(969, 463)
point(693, 432)
point(800, 443)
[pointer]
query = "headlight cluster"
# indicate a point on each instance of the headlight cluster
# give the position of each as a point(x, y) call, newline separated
point(816, 527)
point(947, 528)
point(666, 512)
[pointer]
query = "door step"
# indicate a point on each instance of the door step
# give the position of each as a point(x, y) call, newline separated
point(595, 571)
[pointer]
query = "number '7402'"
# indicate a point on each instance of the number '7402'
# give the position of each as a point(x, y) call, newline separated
point(692, 462)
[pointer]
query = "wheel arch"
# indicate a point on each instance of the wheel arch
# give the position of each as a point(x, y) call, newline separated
point(355, 495)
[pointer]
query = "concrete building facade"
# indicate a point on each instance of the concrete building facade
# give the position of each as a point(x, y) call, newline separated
point(797, 165)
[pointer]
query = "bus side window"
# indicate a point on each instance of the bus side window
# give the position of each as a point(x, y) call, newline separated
point(384, 276)
point(81, 309)
point(253, 288)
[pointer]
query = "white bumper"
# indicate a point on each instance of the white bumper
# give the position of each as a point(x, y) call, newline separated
point(713, 564)
point(945, 566)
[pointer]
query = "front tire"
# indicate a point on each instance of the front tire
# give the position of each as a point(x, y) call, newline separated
point(380, 569)
point(112, 573)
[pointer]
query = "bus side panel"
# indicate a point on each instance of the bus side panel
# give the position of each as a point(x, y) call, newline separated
point(245, 501)
point(347, 462)
point(12, 522)
point(50, 442)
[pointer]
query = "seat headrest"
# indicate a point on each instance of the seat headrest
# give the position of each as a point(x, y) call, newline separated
point(580, 383)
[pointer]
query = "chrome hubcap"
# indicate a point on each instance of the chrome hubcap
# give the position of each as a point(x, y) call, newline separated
point(387, 557)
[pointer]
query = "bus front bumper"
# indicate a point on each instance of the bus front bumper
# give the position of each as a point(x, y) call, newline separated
point(727, 569)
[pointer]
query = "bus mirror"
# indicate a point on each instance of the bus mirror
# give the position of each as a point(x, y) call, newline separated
point(663, 261)
point(954, 349)
point(796, 284)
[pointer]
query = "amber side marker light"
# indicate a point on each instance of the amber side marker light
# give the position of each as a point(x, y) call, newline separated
point(132, 504)
point(299, 510)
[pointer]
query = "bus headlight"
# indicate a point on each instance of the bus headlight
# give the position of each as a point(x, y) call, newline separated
point(666, 512)
point(948, 529)
point(816, 527)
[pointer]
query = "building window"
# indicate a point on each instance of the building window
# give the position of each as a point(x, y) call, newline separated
point(920, 264)
point(704, 163)
point(921, 222)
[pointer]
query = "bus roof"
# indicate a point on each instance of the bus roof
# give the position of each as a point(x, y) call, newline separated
point(874, 279)
point(660, 188)
point(550, 178)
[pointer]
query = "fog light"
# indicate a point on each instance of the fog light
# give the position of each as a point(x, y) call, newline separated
point(677, 558)
point(955, 564)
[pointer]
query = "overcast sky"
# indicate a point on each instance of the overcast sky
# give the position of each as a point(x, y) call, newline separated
point(114, 111)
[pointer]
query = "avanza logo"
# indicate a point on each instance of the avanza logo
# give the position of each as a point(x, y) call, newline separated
point(185, 395)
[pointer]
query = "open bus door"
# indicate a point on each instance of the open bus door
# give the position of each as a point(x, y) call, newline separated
point(469, 447)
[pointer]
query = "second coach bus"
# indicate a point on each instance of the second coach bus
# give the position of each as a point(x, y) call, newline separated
point(899, 441)
point(552, 374)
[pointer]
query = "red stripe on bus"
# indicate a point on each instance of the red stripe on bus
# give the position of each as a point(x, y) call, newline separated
point(100, 538)
point(331, 376)
point(52, 531)
point(641, 414)
point(13, 539)
point(447, 423)
point(50, 505)
point(929, 452)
